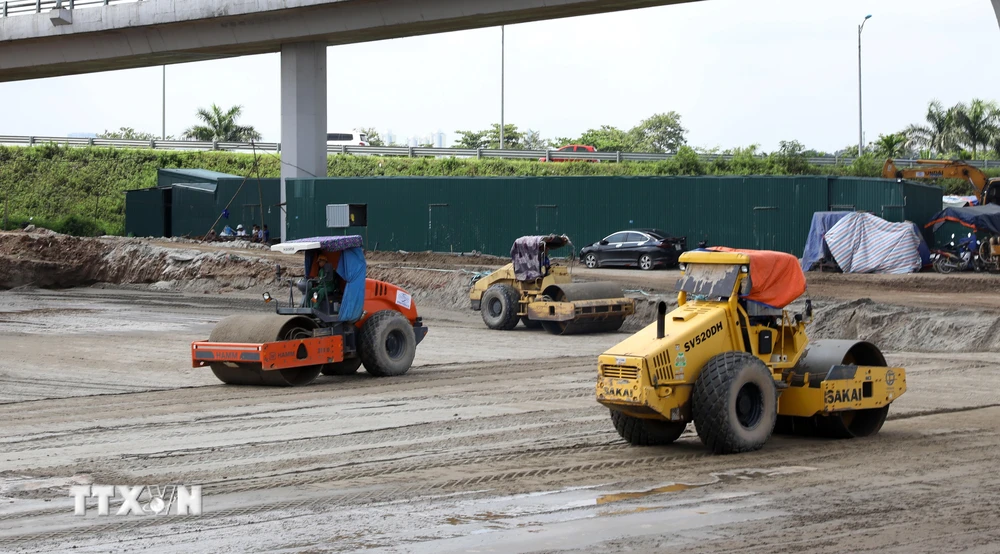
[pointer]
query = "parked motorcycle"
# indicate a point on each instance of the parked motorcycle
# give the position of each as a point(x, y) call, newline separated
point(960, 256)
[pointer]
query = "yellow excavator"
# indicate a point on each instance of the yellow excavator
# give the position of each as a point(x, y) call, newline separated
point(987, 189)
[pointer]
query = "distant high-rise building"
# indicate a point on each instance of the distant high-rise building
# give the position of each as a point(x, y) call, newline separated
point(390, 138)
point(439, 139)
point(413, 142)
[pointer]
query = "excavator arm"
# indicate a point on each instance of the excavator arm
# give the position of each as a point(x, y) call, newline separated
point(945, 169)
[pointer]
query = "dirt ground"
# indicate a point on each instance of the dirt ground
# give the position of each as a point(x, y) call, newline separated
point(491, 443)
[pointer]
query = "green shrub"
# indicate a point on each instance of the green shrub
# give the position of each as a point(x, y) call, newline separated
point(79, 226)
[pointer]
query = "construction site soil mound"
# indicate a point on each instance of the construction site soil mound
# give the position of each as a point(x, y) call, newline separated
point(847, 306)
point(49, 260)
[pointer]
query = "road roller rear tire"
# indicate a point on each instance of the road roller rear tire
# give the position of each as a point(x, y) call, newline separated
point(499, 307)
point(347, 367)
point(735, 403)
point(646, 432)
point(258, 329)
point(387, 344)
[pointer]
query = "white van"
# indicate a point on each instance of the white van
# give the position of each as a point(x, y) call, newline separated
point(354, 138)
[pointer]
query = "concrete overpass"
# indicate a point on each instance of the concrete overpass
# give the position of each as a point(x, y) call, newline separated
point(156, 32)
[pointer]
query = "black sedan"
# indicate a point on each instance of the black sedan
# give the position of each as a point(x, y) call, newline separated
point(642, 248)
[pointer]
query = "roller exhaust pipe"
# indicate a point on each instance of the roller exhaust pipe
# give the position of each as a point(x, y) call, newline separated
point(661, 316)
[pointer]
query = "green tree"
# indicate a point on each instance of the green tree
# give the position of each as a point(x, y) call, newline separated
point(533, 140)
point(472, 139)
point(893, 145)
point(373, 137)
point(221, 126)
point(660, 133)
point(938, 134)
point(976, 123)
point(559, 142)
point(126, 133)
point(609, 139)
point(790, 158)
point(512, 138)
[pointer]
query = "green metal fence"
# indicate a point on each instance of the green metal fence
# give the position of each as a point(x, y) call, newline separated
point(190, 209)
point(487, 214)
point(146, 214)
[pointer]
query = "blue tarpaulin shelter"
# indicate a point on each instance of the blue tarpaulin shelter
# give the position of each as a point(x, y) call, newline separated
point(816, 248)
point(978, 218)
point(865, 243)
point(351, 267)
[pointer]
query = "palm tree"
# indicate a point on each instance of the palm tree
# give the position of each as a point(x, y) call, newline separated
point(894, 145)
point(976, 122)
point(220, 126)
point(939, 133)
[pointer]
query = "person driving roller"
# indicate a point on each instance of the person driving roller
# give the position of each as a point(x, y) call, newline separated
point(326, 287)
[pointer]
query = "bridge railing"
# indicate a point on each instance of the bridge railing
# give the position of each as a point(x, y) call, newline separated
point(415, 152)
point(20, 7)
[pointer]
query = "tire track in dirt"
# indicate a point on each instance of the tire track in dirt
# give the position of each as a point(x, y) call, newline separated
point(172, 400)
point(515, 471)
point(87, 436)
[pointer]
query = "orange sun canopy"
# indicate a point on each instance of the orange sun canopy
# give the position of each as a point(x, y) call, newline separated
point(776, 278)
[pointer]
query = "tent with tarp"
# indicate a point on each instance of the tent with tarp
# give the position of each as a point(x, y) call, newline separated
point(865, 243)
point(985, 219)
point(816, 250)
point(817, 253)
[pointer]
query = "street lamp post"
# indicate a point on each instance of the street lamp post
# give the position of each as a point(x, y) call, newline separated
point(164, 136)
point(501, 84)
point(861, 139)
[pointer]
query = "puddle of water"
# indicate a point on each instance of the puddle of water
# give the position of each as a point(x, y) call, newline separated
point(676, 487)
point(585, 528)
point(584, 516)
point(719, 477)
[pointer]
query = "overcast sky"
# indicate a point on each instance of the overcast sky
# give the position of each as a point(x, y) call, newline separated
point(739, 72)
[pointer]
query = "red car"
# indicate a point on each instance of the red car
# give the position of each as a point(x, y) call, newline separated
point(571, 148)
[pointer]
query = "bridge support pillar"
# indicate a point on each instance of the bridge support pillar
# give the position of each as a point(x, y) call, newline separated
point(303, 116)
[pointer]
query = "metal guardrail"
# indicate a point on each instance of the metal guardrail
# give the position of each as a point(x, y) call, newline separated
point(416, 152)
point(21, 7)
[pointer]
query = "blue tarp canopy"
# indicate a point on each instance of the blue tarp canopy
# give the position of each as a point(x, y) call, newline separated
point(925, 252)
point(984, 218)
point(352, 268)
point(816, 249)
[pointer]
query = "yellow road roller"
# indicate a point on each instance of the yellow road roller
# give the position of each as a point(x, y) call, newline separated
point(739, 366)
point(533, 291)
